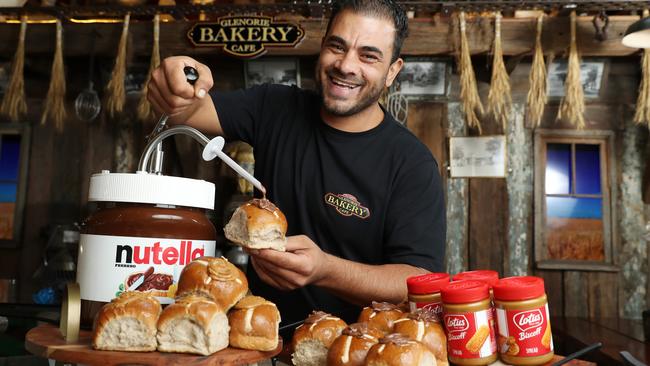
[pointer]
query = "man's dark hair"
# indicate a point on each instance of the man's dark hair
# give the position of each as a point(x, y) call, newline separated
point(385, 9)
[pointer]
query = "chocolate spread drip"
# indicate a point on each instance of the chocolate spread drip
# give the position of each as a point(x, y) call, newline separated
point(264, 204)
point(396, 338)
point(356, 330)
point(316, 316)
point(383, 306)
point(424, 315)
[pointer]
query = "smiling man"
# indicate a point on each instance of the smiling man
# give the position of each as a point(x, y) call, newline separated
point(361, 194)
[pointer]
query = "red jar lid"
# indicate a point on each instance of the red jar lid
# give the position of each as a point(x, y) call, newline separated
point(465, 291)
point(519, 288)
point(427, 284)
point(484, 275)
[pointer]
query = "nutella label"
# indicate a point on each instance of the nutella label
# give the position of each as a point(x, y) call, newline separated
point(110, 265)
point(470, 335)
point(524, 333)
point(436, 307)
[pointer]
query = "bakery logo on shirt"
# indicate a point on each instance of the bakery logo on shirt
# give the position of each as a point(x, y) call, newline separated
point(347, 205)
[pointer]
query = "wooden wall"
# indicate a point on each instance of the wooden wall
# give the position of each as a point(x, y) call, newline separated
point(61, 164)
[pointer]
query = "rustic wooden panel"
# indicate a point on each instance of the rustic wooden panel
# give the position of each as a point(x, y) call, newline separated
point(603, 288)
point(488, 217)
point(576, 299)
point(428, 36)
point(426, 121)
point(553, 283)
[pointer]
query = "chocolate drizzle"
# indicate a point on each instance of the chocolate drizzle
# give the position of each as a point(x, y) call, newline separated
point(383, 306)
point(356, 330)
point(264, 204)
point(396, 338)
point(316, 316)
point(423, 315)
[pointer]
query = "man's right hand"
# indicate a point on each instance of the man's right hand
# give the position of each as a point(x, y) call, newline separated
point(170, 93)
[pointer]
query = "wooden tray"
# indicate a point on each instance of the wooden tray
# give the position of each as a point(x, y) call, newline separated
point(47, 341)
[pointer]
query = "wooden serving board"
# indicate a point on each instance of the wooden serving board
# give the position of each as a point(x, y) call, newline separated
point(47, 341)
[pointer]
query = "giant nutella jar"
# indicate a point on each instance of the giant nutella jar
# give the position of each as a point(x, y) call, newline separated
point(146, 228)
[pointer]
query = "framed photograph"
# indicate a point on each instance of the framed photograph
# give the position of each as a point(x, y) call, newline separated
point(272, 71)
point(591, 75)
point(478, 156)
point(423, 78)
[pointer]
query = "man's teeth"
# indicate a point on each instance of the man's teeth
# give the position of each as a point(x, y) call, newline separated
point(346, 85)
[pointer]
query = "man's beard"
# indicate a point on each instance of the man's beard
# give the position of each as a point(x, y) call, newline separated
point(370, 97)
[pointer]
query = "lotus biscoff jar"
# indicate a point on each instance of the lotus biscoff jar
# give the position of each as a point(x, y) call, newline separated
point(524, 329)
point(146, 228)
point(484, 275)
point(424, 292)
point(468, 323)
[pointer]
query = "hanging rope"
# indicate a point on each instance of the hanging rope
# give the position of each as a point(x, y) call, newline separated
point(55, 99)
point(499, 97)
point(642, 114)
point(115, 89)
point(14, 104)
point(572, 107)
point(468, 88)
point(145, 113)
point(537, 78)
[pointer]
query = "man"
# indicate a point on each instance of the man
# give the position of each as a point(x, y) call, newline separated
point(362, 195)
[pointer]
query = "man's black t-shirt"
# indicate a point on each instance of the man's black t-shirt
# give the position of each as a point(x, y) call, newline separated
point(372, 197)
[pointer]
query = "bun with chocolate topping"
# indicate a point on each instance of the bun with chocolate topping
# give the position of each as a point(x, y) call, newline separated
point(422, 326)
point(381, 315)
point(313, 338)
point(215, 278)
point(257, 224)
point(398, 350)
point(351, 348)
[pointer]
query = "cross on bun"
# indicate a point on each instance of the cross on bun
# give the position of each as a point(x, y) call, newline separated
point(398, 350)
point(351, 347)
point(214, 278)
point(422, 326)
point(128, 323)
point(257, 224)
point(313, 338)
point(381, 315)
point(254, 324)
point(193, 324)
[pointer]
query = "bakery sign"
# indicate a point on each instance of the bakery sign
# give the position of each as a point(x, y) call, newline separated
point(246, 36)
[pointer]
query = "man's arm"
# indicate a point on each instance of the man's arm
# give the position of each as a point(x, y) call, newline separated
point(305, 263)
point(170, 93)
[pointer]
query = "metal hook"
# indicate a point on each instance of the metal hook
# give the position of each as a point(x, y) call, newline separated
point(601, 23)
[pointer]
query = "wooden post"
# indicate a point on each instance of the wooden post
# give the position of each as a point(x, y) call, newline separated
point(520, 191)
point(457, 188)
point(633, 251)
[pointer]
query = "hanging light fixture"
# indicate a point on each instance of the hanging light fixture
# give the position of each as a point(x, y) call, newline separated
point(637, 34)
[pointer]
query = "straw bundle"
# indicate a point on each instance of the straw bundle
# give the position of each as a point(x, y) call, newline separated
point(145, 113)
point(642, 114)
point(537, 79)
point(499, 97)
point(55, 99)
point(468, 88)
point(115, 89)
point(572, 107)
point(13, 103)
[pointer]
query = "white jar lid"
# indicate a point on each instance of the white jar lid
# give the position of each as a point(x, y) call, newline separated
point(142, 187)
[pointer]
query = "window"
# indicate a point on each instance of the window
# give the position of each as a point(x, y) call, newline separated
point(14, 148)
point(573, 223)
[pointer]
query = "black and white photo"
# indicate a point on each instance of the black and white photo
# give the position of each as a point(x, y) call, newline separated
point(423, 78)
point(284, 71)
point(591, 75)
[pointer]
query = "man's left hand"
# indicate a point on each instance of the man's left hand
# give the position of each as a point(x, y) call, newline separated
point(302, 264)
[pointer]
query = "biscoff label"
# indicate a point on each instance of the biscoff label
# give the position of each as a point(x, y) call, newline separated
point(470, 335)
point(435, 307)
point(110, 265)
point(524, 333)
